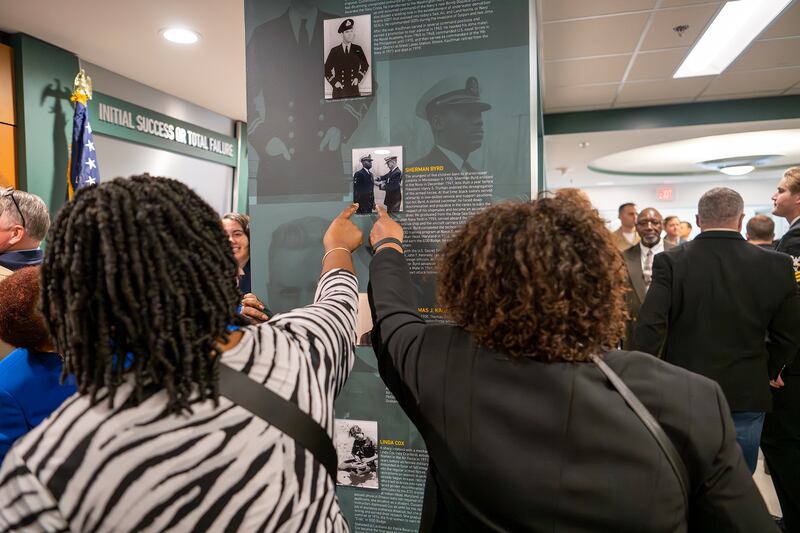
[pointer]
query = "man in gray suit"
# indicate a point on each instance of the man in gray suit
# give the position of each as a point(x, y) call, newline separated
point(639, 263)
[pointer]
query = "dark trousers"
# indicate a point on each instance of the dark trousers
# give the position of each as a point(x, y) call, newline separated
point(748, 434)
point(780, 442)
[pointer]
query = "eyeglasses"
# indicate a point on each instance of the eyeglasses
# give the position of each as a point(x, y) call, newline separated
point(10, 192)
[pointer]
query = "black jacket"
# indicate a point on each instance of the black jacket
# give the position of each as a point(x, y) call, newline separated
point(344, 67)
point(522, 445)
point(637, 289)
point(790, 244)
point(712, 303)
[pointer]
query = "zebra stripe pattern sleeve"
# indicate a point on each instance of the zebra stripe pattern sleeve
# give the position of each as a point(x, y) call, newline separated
point(134, 468)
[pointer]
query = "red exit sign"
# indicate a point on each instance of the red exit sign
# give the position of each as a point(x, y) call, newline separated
point(665, 194)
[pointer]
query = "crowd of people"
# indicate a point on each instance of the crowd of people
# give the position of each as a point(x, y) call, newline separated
point(627, 378)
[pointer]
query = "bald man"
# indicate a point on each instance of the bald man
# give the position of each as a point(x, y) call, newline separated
point(639, 263)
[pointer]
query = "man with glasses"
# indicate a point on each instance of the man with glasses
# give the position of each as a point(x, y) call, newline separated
point(24, 221)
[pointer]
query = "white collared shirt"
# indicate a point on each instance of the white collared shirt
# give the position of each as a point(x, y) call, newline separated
point(657, 249)
point(456, 159)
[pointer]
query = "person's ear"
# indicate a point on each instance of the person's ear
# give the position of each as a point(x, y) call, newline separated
point(697, 221)
point(739, 226)
point(17, 234)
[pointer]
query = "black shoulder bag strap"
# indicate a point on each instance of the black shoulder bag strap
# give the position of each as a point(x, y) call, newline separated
point(279, 412)
point(652, 425)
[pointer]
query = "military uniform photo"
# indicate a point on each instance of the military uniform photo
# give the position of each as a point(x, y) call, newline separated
point(392, 184)
point(364, 186)
point(347, 63)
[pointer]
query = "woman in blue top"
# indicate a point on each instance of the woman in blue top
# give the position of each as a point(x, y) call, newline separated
point(30, 387)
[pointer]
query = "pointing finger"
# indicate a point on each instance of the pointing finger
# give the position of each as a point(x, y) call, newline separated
point(349, 210)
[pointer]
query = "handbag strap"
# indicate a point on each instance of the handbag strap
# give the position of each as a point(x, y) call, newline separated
point(652, 425)
point(279, 412)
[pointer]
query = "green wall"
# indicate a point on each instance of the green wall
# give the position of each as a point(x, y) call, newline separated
point(43, 77)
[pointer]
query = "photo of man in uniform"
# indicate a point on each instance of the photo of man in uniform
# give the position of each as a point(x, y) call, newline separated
point(391, 183)
point(454, 110)
point(364, 186)
point(292, 129)
point(346, 64)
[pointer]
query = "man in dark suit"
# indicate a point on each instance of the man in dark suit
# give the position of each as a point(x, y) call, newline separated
point(346, 64)
point(364, 186)
point(293, 130)
point(454, 110)
point(761, 231)
point(391, 183)
point(780, 440)
point(639, 264)
point(711, 305)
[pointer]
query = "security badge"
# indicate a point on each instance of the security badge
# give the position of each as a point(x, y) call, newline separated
point(796, 266)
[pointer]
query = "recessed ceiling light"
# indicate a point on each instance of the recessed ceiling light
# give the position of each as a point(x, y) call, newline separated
point(736, 25)
point(180, 35)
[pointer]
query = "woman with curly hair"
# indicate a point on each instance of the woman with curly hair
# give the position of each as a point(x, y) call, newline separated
point(515, 401)
point(30, 387)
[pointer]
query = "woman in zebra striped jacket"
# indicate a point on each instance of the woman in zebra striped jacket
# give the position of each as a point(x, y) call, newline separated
point(142, 267)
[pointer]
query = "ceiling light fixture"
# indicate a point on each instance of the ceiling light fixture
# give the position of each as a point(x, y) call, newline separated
point(737, 170)
point(736, 25)
point(738, 166)
point(180, 35)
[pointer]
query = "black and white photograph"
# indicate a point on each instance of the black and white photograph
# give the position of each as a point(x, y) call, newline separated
point(357, 453)
point(348, 57)
point(378, 179)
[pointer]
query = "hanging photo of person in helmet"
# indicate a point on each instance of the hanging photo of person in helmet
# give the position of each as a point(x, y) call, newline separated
point(357, 452)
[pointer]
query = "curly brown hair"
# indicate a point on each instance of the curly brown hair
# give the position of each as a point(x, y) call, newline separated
point(539, 279)
point(21, 323)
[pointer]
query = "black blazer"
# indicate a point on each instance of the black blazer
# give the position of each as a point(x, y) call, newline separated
point(637, 290)
point(522, 445)
point(790, 244)
point(710, 306)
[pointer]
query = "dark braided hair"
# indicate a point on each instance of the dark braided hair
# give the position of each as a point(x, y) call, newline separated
point(138, 277)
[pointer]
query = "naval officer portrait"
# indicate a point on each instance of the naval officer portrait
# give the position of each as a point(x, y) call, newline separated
point(364, 186)
point(391, 182)
point(347, 64)
point(454, 110)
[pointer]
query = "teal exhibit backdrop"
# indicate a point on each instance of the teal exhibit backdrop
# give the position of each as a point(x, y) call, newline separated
point(451, 85)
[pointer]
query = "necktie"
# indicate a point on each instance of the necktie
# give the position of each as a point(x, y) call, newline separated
point(302, 33)
point(648, 268)
point(347, 49)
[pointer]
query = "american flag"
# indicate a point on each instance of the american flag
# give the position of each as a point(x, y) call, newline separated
point(83, 157)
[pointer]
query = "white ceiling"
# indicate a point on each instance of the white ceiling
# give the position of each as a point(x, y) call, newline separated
point(124, 37)
point(567, 157)
point(601, 54)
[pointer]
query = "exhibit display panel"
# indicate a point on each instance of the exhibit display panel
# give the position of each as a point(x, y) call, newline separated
point(424, 107)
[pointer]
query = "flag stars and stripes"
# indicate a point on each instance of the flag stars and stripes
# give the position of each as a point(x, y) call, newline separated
point(90, 146)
